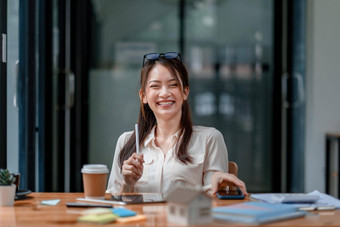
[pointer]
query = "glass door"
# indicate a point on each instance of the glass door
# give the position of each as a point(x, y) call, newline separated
point(3, 83)
point(28, 98)
point(12, 85)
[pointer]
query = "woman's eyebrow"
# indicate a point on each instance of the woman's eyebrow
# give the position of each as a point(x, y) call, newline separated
point(158, 81)
point(154, 81)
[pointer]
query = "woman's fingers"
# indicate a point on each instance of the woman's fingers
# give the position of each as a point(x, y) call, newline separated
point(132, 169)
point(136, 160)
point(130, 174)
point(243, 188)
point(240, 184)
point(139, 157)
point(220, 179)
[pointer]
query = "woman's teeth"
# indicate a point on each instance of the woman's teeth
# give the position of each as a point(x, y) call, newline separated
point(165, 103)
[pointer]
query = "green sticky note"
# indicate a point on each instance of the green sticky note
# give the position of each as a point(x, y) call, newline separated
point(98, 218)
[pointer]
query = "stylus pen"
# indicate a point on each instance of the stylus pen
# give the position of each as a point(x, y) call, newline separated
point(137, 138)
point(101, 201)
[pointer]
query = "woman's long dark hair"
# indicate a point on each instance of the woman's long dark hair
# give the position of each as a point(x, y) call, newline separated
point(147, 120)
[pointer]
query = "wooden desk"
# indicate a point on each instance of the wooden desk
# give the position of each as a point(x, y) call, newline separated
point(29, 212)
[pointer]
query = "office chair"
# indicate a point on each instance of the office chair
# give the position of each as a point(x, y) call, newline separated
point(233, 168)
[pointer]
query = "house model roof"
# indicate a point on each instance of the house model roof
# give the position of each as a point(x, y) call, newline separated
point(183, 195)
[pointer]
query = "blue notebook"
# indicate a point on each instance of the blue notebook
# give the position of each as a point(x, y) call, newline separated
point(256, 212)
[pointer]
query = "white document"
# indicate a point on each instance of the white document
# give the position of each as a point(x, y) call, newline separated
point(323, 201)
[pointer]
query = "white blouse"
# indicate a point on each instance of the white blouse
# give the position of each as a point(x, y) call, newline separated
point(206, 147)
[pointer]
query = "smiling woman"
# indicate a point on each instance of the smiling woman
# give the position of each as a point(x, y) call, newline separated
point(172, 150)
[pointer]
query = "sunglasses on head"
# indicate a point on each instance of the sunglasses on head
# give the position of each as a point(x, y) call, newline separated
point(154, 56)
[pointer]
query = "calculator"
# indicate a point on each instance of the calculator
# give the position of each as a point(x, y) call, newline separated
point(294, 198)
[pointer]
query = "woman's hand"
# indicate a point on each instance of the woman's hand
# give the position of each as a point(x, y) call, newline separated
point(132, 169)
point(221, 180)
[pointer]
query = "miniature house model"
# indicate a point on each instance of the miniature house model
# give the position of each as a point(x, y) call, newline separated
point(188, 206)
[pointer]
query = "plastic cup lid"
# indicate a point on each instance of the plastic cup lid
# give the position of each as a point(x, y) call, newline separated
point(94, 168)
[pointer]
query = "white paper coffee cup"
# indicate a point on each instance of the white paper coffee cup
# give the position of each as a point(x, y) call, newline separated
point(94, 180)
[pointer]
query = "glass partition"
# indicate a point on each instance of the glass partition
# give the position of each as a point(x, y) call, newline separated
point(123, 32)
point(228, 52)
point(229, 55)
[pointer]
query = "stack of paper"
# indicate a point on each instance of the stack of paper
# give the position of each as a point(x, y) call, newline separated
point(256, 212)
point(323, 201)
